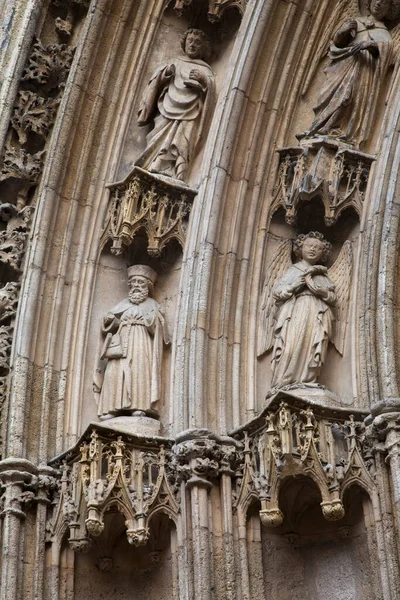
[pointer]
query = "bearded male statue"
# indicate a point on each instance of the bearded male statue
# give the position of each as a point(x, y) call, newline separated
point(128, 377)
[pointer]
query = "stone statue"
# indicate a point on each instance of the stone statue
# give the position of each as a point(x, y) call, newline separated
point(304, 307)
point(179, 98)
point(361, 52)
point(128, 377)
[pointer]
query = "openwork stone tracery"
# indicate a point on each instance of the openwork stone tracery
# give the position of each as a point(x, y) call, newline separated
point(329, 447)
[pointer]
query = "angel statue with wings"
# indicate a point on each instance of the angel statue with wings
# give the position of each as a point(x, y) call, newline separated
point(304, 306)
point(361, 51)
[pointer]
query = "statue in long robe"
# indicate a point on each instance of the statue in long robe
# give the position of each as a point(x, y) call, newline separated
point(361, 53)
point(304, 296)
point(128, 377)
point(304, 307)
point(179, 98)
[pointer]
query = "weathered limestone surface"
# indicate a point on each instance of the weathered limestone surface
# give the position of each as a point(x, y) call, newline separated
point(199, 374)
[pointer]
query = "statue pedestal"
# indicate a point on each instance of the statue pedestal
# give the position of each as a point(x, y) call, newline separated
point(139, 425)
point(314, 395)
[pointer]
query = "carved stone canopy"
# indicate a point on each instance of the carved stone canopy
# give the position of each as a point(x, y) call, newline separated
point(293, 438)
point(216, 9)
point(322, 167)
point(143, 201)
point(107, 470)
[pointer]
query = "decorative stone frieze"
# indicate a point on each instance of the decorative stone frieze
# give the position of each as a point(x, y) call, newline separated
point(326, 445)
point(145, 202)
point(22, 483)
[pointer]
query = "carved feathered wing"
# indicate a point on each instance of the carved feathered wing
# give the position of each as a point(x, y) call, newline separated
point(343, 11)
point(395, 33)
point(279, 264)
point(340, 273)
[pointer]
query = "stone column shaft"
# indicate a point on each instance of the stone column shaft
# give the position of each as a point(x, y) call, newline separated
point(201, 541)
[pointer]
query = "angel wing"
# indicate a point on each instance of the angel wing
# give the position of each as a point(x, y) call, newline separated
point(344, 10)
point(340, 273)
point(395, 34)
point(279, 264)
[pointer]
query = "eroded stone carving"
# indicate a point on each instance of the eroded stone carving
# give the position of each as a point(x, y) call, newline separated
point(361, 52)
point(33, 113)
point(216, 10)
point(69, 10)
point(13, 238)
point(328, 169)
point(304, 307)
point(128, 377)
point(24, 167)
point(180, 98)
point(49, 65)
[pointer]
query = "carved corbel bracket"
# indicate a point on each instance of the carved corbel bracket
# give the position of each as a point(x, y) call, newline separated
point(386, 429)
point(151, 203)
point(325, 168)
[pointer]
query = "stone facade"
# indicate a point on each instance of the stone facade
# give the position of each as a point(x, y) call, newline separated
point(199, 374)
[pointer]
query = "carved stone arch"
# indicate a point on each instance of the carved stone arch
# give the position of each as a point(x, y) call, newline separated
point(317, 479)
point(362, 483)
point(245, 505)
point(223, 260)
point(71, 203)
point(119, 504)
point(165, 510)
point(222, 272)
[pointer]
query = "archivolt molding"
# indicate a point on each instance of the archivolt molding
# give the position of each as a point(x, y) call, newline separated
point(224, 258)
point(217, 327)
point(71, 192)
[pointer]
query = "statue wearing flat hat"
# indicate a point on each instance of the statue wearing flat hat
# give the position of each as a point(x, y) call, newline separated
point(128, 377)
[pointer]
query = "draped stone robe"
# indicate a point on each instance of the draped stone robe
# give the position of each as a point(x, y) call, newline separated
point(180, 113)
point(303, 328)
point(348, 99)
point(129, 377)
